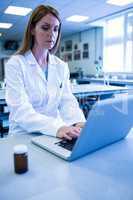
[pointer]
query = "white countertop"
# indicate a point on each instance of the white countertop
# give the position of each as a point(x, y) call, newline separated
point(103, 175)
point(95, 88)
point(111, 80)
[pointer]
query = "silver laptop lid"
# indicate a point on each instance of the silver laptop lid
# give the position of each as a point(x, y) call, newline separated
point(109, 121)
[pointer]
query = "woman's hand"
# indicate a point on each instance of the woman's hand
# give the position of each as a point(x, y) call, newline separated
point(80, 124)
point(68, 132)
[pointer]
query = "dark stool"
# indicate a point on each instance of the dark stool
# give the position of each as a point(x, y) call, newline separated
point(4, 115)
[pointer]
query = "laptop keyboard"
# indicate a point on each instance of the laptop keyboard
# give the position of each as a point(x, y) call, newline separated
point(67, 144)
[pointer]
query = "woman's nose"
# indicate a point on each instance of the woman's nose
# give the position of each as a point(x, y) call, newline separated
point(51, 32)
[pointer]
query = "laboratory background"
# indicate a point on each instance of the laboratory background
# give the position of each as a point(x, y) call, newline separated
point(97, 43)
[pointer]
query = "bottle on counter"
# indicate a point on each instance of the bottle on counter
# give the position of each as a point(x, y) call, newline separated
point(20, 159)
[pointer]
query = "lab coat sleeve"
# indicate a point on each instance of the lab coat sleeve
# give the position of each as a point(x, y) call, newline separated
point(69, 106)
point(21, 110)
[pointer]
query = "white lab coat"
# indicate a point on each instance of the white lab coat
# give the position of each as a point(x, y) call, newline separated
point(37, 104)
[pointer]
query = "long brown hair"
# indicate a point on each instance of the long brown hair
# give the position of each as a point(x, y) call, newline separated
point(36, 16)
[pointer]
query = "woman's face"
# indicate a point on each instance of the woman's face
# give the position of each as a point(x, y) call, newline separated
point(46, 32)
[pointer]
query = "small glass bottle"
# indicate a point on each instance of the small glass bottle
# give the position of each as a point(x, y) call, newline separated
point(20, 159)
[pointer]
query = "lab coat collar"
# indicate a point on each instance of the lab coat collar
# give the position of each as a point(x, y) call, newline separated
point(30, 58)
point(32, 61)
point(53, 80)
point(52, 67)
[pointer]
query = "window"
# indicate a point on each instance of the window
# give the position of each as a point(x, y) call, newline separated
point(114, 58)
point(115, 27)
point(118, 44)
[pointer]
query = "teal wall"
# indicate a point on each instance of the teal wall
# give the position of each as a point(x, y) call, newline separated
point(94, 38)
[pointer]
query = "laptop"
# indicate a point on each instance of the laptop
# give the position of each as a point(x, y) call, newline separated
point(108, 121)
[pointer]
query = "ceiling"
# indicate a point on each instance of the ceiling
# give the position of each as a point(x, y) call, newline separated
point(95, 9)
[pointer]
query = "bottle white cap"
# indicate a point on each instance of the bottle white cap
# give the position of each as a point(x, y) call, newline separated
point(20, 149)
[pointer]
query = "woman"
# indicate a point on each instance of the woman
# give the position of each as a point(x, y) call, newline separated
point(37, 82)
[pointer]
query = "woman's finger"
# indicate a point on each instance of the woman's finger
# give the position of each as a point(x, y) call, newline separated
point(67, 136)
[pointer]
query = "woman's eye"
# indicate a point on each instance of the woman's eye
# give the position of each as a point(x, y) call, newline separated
point(45, 28)
point(56, 29)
